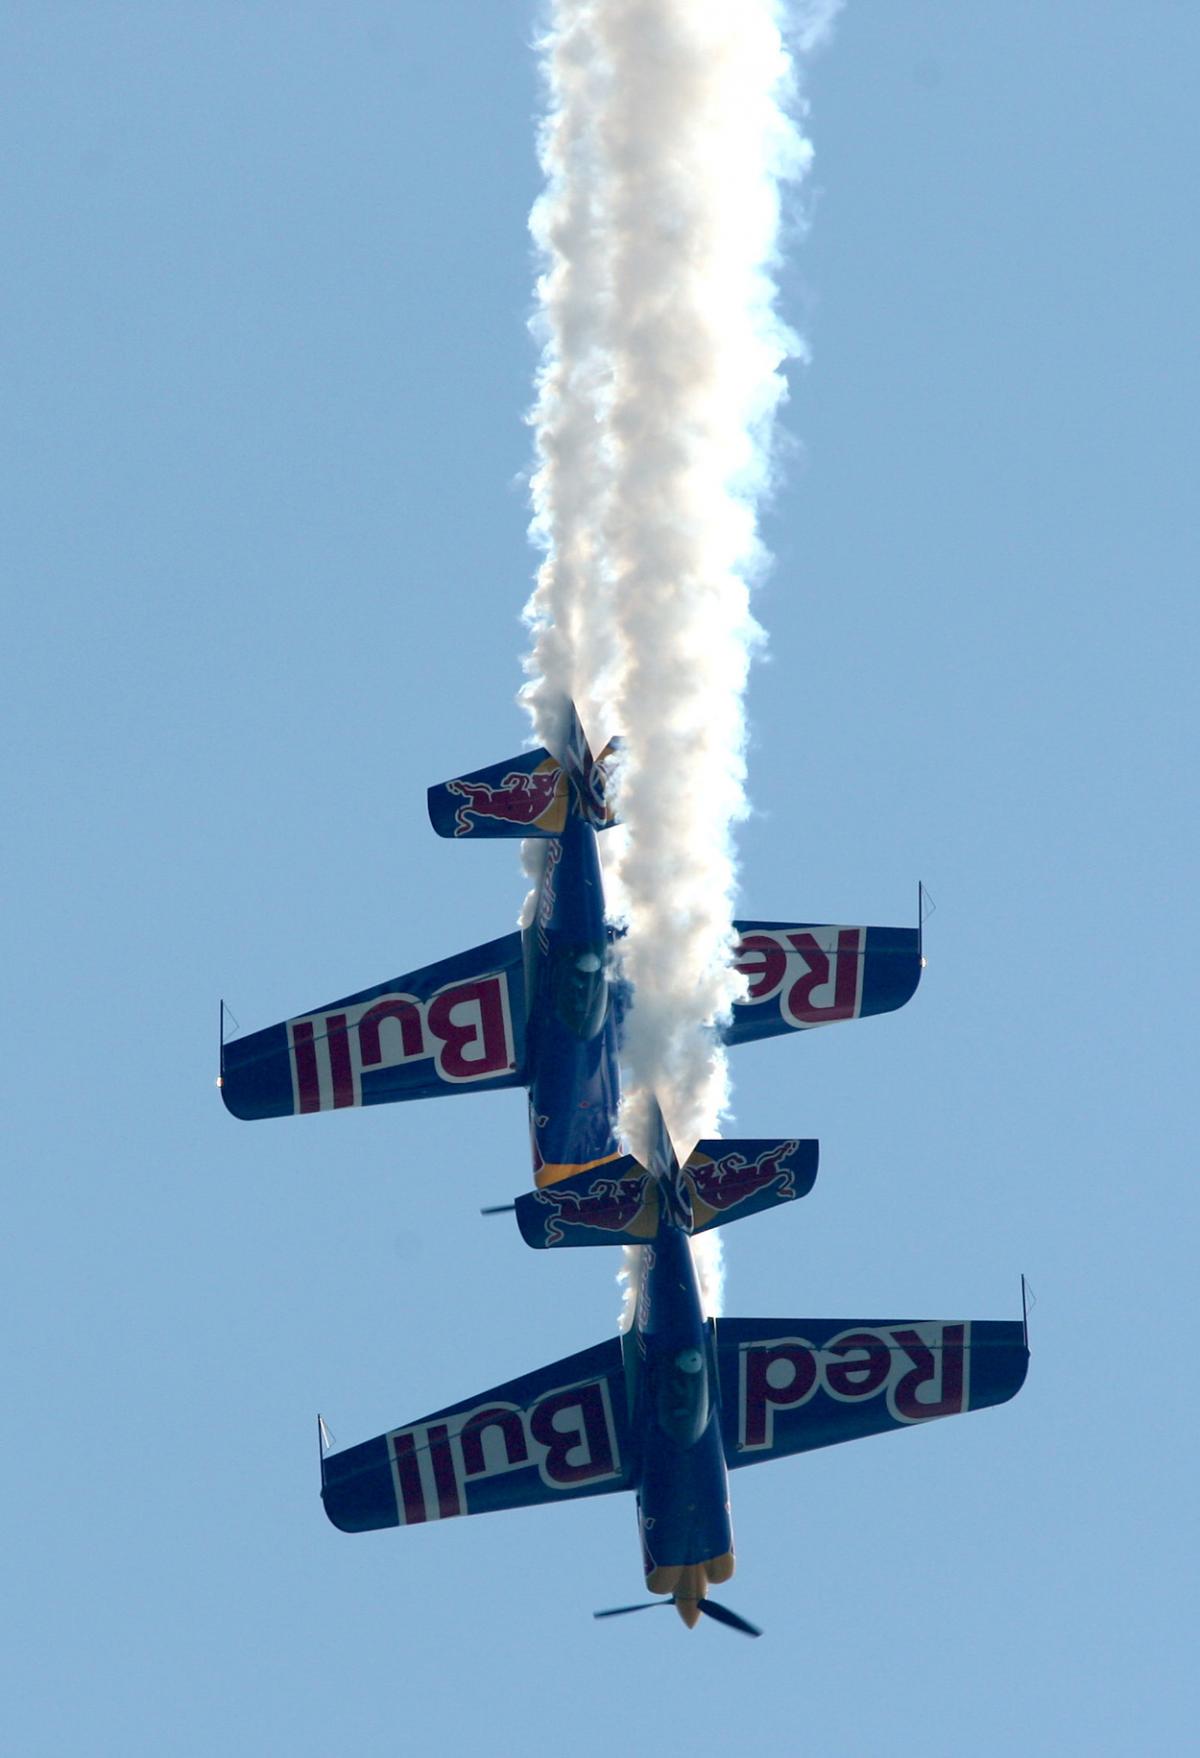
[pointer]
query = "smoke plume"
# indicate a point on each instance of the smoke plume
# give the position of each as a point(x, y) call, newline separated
point(670, 127)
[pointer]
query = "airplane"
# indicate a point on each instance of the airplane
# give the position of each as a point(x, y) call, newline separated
point(670, 1406)
point(539, 1008)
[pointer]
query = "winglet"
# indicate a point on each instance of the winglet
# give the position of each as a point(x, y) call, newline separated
point(925, 908)
point(324, 1445)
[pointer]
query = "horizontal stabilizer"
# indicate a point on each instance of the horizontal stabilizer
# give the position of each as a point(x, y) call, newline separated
point(455, 1027)
point(730, 1179)
point(790, 1385)
point(550, 1436)
point(525, 796)
point(615, 1203)
point(532, 794)
point(803, 974)
point(618, 1202)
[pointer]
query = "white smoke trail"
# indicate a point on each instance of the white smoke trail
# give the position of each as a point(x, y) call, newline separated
point(667, 139)
point(577, 646)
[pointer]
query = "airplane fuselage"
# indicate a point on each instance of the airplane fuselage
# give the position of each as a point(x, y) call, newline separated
point(574, 1008)
point(574, 1095)
point(683, 1490)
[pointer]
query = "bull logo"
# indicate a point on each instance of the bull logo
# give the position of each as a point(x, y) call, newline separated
point(520, 799)
point(724, 1184)
point(608, 1205)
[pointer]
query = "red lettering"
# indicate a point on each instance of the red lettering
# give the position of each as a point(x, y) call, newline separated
point(861, 1378)
point(589, 1435)
point(339, 1059)
point(449, 1502)
point(799, 1004)
point(763, 962)
point(471, 1439)
point(412, 1037)
point(408, 1476)
point(816, 976)
point(476, 1045)
point(775, 1376)
point(945, 1376)
point(308, 1086)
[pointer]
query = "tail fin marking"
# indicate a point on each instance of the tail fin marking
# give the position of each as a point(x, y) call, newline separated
point(622, 1202)
point(528, 795)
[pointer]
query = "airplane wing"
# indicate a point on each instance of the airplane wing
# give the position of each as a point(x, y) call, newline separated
point(803, 974)
point(455, 1027)
point(790, 1385)
point(550, 1436)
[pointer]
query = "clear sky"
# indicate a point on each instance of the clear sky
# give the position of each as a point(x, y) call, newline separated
point(265, 367)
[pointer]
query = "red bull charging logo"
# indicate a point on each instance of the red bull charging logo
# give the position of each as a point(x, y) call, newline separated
point(537, 800)
point(719, 1185)
point(608, 1205)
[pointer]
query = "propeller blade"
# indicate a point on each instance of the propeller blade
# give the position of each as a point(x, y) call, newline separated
point(723, 1615)
point(618, 1611)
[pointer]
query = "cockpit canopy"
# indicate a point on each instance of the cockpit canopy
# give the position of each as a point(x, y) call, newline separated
point(580, 987)
point(680, 1390)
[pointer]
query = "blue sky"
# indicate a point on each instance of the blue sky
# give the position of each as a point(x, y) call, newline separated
point(264, 514)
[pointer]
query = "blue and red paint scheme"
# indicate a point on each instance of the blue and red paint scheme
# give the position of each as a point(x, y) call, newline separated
point(679, 1400)
point(540, 1008)
point(669, 1408)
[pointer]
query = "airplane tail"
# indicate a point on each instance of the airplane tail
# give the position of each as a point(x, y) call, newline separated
point(529, 795)
point(623, 1203)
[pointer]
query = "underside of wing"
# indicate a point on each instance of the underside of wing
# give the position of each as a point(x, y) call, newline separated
point(803, 974)
point(456, 1026)
point(791, 1385)
point(549, 1436)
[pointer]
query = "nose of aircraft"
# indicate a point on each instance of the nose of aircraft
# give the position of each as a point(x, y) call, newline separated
point(689, 1611)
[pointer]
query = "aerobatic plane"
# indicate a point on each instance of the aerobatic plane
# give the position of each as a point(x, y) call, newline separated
point(669, 1407)
point(539, 1008)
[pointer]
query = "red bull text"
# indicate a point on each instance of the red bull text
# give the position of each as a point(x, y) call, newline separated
point(922, 1372)
point(814, 977)
point(466, 1030)
point(568, 1434)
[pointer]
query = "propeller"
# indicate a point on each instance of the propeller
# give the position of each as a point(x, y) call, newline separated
point(723, 1615)
point(709, 1607)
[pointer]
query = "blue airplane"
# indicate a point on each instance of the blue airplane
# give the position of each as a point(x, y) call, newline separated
point(669, 1407)
point(538, 1008)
